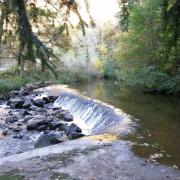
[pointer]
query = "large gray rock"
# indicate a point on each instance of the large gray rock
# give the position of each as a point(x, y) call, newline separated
point(60, 113)
point(57, 125)
point(46, 140)
point(73, 127)
point(35, 123)
point(73, 132)
point(27, 104)
point(39, 102)
point(68, 117)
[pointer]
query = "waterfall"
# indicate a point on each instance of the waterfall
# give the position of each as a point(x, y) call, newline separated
point(90, 115)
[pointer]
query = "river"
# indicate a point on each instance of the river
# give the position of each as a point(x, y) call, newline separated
point(157, 117)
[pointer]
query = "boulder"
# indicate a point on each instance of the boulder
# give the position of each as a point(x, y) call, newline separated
point(26, 113)
point(73, 127)
point(27, 104)
point(39, 102)
point(59, 113)
point(34, 124)
point(57, 125)
point(42, 128)
point(33, 108)
point(73, 131)
point(68, 117)
point(48, 106)
point(25, 119)
point(60, 135)
point(75, 135)
point(63, 114)
point(46, 140)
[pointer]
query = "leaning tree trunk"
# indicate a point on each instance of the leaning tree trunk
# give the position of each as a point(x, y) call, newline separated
point(30, 46)
point(25, 31)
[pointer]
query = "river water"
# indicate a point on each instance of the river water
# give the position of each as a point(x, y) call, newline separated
point(157, 117)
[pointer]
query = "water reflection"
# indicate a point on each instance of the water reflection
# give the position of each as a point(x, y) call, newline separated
point(159, 118)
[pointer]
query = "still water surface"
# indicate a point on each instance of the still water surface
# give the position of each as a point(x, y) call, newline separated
point(158, 117)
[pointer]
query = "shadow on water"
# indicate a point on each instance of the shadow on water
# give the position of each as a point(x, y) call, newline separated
point(158, 117)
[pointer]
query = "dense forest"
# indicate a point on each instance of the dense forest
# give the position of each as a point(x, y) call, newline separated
point(141, 49)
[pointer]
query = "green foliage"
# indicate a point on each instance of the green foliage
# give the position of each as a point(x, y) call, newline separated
point(106, 62)
point(109, 68)
point(11, 81)
point(150, 78)
point(148, 54)
point(23, 18)
point(123, 15)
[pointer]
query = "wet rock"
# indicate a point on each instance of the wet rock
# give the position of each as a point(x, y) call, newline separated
point(34, 124)
point(60, 135)
point(46, 140)
point(19, 124)
point(68, 117)
point(39, 102)
point(73, 132)
point(15, 103)
point(18, 136)
point(33, 108)
point(25, 91)
point(2, 102)
point(57, 125)
point(61, 114)
point(50, 99)
point(42, 128)
point(74, 135)
point(11, 119)
point(26, 119)
point(17, 129)
point(27, 104)
point(56, 108)
point(3, 126)
point(5, 132)
point(41, 110)
point(73, 127)
point(47, 131)
point(25, 113)
point(49, 106)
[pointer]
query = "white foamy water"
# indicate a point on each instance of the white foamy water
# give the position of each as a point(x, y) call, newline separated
point(90, 115)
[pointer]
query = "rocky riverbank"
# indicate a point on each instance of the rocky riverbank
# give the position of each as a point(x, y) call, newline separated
point(29, 120)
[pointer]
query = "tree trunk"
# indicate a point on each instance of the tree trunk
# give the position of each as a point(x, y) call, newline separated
point(25, 35)
point(3, 15)
point(30, 45)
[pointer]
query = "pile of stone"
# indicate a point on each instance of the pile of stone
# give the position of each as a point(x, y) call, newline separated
point(27, 112)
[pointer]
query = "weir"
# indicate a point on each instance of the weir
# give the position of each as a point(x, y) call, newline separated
point(90, 115)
